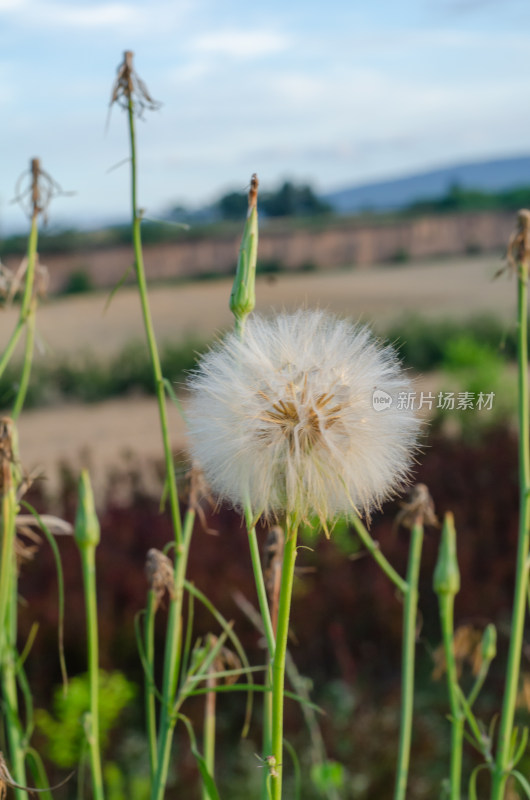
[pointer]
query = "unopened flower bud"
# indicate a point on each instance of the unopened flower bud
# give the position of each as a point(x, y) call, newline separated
point(446, 573)
point(86, 530)
point(243, 295)
point(489, 643)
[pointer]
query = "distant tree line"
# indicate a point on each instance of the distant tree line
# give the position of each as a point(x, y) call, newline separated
point(460, 199)
point(289, 200)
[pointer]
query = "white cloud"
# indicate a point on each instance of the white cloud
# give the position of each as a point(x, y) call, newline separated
point(240, 44)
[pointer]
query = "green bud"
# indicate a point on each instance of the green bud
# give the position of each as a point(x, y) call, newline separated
point(489, 643)
point(446, 573)
point(243, 295)
point(86, 530)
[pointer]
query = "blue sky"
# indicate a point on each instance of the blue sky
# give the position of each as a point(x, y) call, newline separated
point(335, 93)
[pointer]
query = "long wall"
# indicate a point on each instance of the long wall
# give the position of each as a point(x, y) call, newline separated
point(343, 243)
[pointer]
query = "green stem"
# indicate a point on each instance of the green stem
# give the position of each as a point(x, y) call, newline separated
point(88, 562)
point(259, 581)
point(7, 565)
point(28, 362)
point(151, 342)
point(373, 548)
point(150, 705)
point(278, 662)
point(500, 774)
point(446, 602)
point(172, 664)
point(408, 658)
point(26, 297)
point(209, 735)
point(267, 730)
point(15, 735)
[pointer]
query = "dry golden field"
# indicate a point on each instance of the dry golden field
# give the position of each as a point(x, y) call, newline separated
point(108, 430)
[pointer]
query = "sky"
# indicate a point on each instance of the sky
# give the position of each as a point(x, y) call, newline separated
point(333, 93)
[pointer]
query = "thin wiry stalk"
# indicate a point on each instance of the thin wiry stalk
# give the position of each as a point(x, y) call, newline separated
point(88, 562)
point(172, 664)
point(151, 341)
point(15, 736)
point(500, 774)
point(446, 603)
point(373, 548)
point(278, 662)
point(408, 659)
point(150, 705)
point(209, 733)
point(25, 307)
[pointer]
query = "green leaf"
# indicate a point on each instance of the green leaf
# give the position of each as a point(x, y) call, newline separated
point(522, 780)
point(473, 781)
point(297, 771)
point(207, 780)
point(521, 748)
point(117, 286)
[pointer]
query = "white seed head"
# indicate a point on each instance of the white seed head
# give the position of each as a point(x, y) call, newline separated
point(285, 420)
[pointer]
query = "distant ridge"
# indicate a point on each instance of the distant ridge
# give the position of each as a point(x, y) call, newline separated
point(494, 175)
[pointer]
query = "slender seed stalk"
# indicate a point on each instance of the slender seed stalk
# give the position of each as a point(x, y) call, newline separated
point(408, 659)
point(87, 537)
point(500, 774)
point(25, 307)
point(172, 664)
point(446, 603)
point(151, 340)
point(88, 562)
point(150, 705)
point(373, 548)
point(278, 662)
point(28, 362)
point(8, 629)
point(209, 732)
point(260, 582)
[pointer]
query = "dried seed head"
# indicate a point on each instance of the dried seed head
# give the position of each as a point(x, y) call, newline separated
point(159, 572)
point(518, 251)
point(417, 509)
point(7, 458)
point(35, 189)
point(129, 88)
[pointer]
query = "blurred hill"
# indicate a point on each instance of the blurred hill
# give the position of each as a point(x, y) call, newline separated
point(487, 176)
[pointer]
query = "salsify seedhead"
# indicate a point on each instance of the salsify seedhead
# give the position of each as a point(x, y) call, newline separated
point(302, 417)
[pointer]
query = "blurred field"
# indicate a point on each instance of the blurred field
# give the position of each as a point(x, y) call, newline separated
point(456, 287)
point(452, 288)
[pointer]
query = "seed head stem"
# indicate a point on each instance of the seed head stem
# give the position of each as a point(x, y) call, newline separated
point(522, 259)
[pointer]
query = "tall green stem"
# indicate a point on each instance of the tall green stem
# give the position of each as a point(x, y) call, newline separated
point(209, 733)
point(25, 307)
point(446, 603)
point(28, 362)
point(408, 659)
point(150, 705)
point(278, 662)
point(151, 341)
point(259, 581)
point(500, 774)
point(172, 664)
point(88, 562)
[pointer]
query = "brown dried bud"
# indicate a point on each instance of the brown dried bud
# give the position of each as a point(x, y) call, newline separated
point(159, 572)
point(417, 509)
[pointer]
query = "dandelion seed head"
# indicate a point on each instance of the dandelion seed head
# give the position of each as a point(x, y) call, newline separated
point(284, 419)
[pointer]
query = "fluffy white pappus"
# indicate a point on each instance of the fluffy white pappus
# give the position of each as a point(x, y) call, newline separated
point(284, 419)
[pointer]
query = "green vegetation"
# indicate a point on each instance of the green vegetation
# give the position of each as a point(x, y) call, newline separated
point(459, 199)
point(473, 350)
